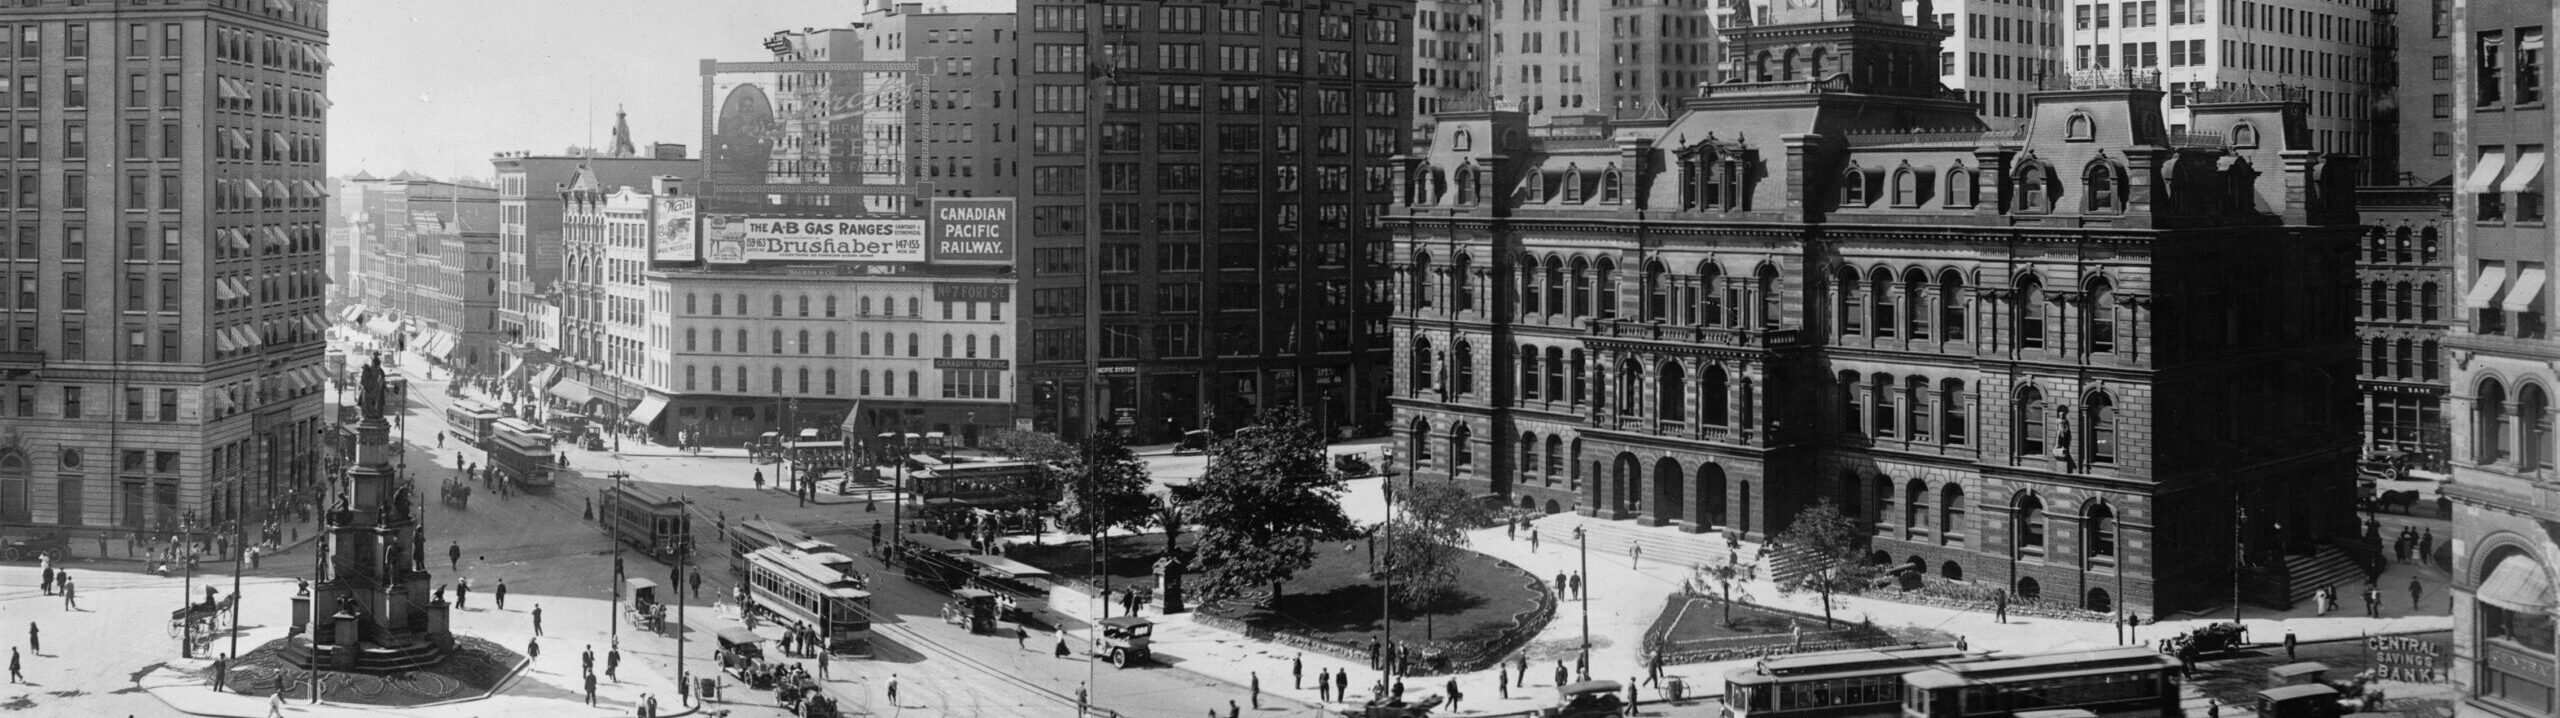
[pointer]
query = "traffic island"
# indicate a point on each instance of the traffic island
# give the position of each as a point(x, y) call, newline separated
point(1488, 612)
point(475, 668)
point(1703, 629)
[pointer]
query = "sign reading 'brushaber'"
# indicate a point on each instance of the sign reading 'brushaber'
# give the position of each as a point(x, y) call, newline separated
point(972, 230)
point(736, 239)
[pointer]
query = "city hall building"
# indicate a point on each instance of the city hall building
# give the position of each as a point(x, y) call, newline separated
point(2039, 357)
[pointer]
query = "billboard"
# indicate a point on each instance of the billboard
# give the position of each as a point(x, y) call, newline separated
point(736, 239)
point(673, 237)
point(971, 292)
point(972, 230)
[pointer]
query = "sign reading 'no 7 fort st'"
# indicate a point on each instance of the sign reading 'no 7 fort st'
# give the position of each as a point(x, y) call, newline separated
point(970, 230)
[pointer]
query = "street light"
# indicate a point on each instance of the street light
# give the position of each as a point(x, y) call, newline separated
point(1585, 544)
point(614, 528)
point(187, 590)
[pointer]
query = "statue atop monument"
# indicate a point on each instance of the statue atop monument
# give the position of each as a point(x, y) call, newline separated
point(370, 397)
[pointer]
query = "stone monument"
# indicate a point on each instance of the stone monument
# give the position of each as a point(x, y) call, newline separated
point(377, 615)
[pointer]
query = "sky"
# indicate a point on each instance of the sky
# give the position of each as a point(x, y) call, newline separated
point(437, 87)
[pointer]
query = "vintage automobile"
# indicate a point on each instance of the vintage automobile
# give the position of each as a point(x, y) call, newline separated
point(2206, 641)
point(1125, 639)
point(1589, 699)
point(741, 651)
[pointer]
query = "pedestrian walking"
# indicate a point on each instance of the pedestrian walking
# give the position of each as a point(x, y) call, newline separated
point(893, 690)
point(1255, 679)
point(1021, 637)
point(1511, 530)
point(1533, 540)
point(1502, 680)
point(2288, 643)
point(759, 479)
point(1522, 673)
point(462, 592)
point(1577, 585)
point(14, 675)
point(1454, 695)
point(48, 580)
point(822, 665)
point(2372, 601)
point(1342, 684)
point(1562, 591)
point(587, 660)
point(1083, 699)
point(501, 594)
point(2415, 590)
point(537, 619)
point(1635, 553)
point(613, 663)
point(695, 579)
point(2000, 605)
point(70, 594)
point(532, 649)
point(1631, 696)
point(1062, 643)
point(1561, 676)
point(1297, 671)
point(1373, 653)
point(1653, 669)
point(1324, 687)
point(591, 689)
point(275, 705)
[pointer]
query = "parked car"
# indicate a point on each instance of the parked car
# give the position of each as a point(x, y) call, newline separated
point(28, 548)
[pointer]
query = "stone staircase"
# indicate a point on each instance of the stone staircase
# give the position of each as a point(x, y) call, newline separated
point(1666, 548)
point(2326, 566)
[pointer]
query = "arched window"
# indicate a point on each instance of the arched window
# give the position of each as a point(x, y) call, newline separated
point(2098, 523)
point(1606, 275)
point(776, 335)
point(2029, 410)
point(831, 342)
point(1558, 389)
point(1463, 141)
point(1421, 279)
point(1853, 188)
point(1907, 187)
point(1951, 515)
point(1915, 509)
point(1760, 67)
point(2489, 422)
point(1768, 284)
point(804, 305)
point(1581, 287)
point(1462, 453)
point(804, 380)
point(777, 305)
point(1713, 409)
point(1852, 418)
point(1711, 306)
point(1420, 441)
point(1881, 300)
point(2080, 127)
point(1630, 387)
point(804, 341)
point(1952, 320)
point(2377, 300)
point(831, 305)
point(1883, 488)
point(2104, 184)
point(2100, 413)
point(1880, 405)
point(1915, 408)
point(1915, 301)
point(1572, 185)
point(2404, 355)
point(2031, 308)
point(1535, 185)
point(1420, 378)
point(2427, 294)
point(1555, 285)
point(2533, 410)
point(1529, 377)
point(2427, 353)
point(2244, 135)
point(1464, 365)
point(969, 346)
point(1671, 398)
point(1462, 292)
point(1951, 411)
point(1612, 189)
point(915, 347)
point(1657, 291)
point(1555, 459)
point(1787, 68)
point(773, 380)
point(1849, 306)
point(1528, 455)
point(2037, 188)
point(2101, 334)
point(1469, 182)
point(1960, 188)
point(864, 309)
point(831, 382)
point(2027, 517)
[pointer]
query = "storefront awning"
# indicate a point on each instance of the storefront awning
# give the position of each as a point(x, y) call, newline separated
point(516, 369)
point(648, 410)
point(2517, 584)
point(2527, 293)
point(573, 391)
point(2485, 287)
point(549, 374)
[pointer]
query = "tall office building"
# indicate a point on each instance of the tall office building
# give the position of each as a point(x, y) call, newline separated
point(1206, 210)
point(2320, 51)
point(161, 328)
point(1452, 41)
point(2502, 356)
point(2029, 360)
point(1621, 57)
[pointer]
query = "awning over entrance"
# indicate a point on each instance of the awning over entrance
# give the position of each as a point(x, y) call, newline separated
point(382, 328)
point(438, 344)
point(2485, 287)
point(2517, 584)
point(648, 410)
point(573, 391)
point(352, 313)
point(544, 379)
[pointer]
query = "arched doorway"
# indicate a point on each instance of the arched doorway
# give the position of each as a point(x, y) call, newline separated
point(1711, 490)
point(1912, 572)
point(1951, 571)
point(1627, 484)
point(2099, 601)
point(2029, 590)
point(1850, 489)
point(1553, 507)
point(1743, 496)
point(1668, 501)
point(1528, 504)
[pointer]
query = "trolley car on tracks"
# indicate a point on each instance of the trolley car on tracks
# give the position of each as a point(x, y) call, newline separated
point(649, 518)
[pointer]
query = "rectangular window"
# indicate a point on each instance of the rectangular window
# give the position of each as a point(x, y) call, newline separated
point(2489, 78)
point(2529, 43)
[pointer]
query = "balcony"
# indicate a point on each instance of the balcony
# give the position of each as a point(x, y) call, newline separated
point(21, 360)
point(1660, 331)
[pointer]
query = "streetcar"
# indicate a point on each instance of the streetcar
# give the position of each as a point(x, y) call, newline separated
point(649, 518)
point(934, 560)
point(798, 590)
point(1854, 682)
point(747, 536)
point(471, 421)
point(2110, 682)
point(521, 453)
point(1021, 590)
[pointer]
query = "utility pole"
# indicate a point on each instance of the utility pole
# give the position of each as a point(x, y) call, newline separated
point(608, 515)
point(187, 592)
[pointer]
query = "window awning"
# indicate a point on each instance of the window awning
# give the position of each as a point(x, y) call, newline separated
point(237, 238)
point(2528, 168)
point(278, 141)
point(276, 186)
point(222, 340)
point(2485, 287)
point(648, 410)
point(2484, 176)
point(382, 328)
point(543, 380)
point(239, 140)
point(240, 289)
point(2517, 584)
point(352, 312)
point(573, 391)
point(250, 187)
point(222, 290)
point(2527, 294)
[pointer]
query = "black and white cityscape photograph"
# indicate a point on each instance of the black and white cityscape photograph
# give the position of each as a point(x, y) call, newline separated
point(1265, 358)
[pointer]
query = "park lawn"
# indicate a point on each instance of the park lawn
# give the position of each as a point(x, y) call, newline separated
point(1705, 620)
point(1133, 558)
point(1335, 601)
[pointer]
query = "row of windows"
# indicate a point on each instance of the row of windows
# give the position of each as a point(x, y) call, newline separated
point(722, 306)
point(967, 347)
point(956, 383)
point(2402, 359)
point(2395, 301)
point(1188, 19)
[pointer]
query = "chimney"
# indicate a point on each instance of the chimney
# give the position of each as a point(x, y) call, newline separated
point(666, 185)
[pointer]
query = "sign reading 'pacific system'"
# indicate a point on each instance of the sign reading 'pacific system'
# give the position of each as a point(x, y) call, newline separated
point(972, 230)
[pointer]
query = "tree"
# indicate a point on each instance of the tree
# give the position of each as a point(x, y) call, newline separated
point(1264, 503)
point(1420, 542)
point(1832, 550)
point(1106, 487)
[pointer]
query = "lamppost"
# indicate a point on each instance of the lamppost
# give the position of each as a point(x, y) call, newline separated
point(684, 557)
point(615, 529)
point(1585, 572)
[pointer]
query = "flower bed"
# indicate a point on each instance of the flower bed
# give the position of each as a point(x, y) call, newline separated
point(1691, 629)
point(1494, 609)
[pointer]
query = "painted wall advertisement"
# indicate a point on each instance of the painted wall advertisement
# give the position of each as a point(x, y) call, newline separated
point(735, 240)
point(675, 240)
point(973, 230)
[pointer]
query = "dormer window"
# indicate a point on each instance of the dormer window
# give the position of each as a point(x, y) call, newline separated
point(1854, 192)
point(2105, 184)
point(2037, 188)
point(2080, 128)
point(1468, 183)
point(1611, 191)
point(1910, 186)
point(1572, 186)
point(2244, 135)
point(1960, 187)
point(1536, 185)
point(1464, 141)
